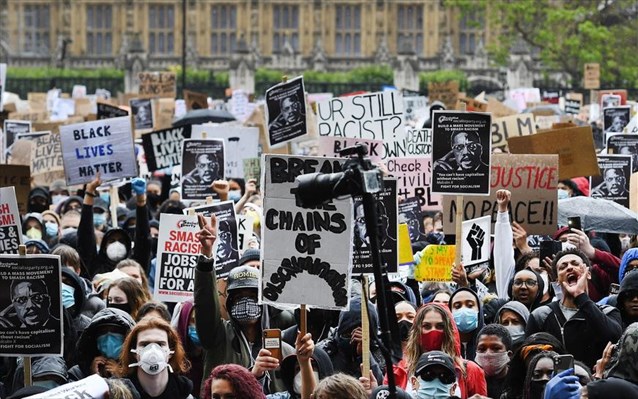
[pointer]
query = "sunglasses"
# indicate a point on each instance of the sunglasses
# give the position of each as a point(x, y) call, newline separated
point(444, 376)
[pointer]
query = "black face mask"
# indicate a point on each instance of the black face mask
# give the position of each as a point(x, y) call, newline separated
point(36, 207)
point(121, 306)
point(153, 199)
point(537, 389)
point(154, 241)
point(404, 329)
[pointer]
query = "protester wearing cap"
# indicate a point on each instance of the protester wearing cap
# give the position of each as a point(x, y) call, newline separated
point(250, 257)
point(435, 376)
point(39, 200)
point(383, 392)
point(237, 340)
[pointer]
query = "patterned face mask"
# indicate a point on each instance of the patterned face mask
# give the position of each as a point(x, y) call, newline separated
point(245, 310)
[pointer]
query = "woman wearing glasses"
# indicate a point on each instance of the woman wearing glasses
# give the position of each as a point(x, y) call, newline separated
point(527, 287)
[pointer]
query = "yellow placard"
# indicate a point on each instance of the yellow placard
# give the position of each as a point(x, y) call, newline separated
point(436, 263)
point(405, 245)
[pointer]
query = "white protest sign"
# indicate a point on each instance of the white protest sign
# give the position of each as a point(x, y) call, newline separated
point(318, 248)
point(104, 146)
point(416, 110)
point(79, 91)
point(476, 240)
point(244, 230)
point(240, 143)
point(418, 142)
point(47, 164)
point(62, 109)
point(3, 80)
point(523, 95)
point(10, 223)
point(331, 146)
point(178, 249)
point(511, 126)
point(93, 387)
point(632, 126)
point(375, 116)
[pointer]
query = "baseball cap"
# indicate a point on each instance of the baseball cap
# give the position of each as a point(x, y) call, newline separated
point(383, 392)
point(435, 358)
point(243, 277)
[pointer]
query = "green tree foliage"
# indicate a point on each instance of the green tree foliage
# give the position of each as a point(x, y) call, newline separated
point(442, 77)
point(567, 34)
point(48, 73)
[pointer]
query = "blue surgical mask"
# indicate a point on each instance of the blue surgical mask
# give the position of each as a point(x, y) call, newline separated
point(99, 219)
point(466, 319)
point(110, 344)
point(51, 229)
point(68, 296)
point(562, 194)
point(434, 389)
point(192, 334)
point(234, 195)
point(106, 196)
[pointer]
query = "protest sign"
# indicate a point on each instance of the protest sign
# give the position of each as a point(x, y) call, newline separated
point(446, 93)
point(239, 143)
point(104, 146)
point(498, 109)
point(18, 176)
point(142, 111)
point(471, 104)
point(257, 119)
point(591, 76)
point(574, 145)
point(31, 315)
point(414, 176)
point(62, 109)
point(195, 100)
point(386, 201)
point(240, 105)
point(461, 149)
point(436, 263)
point(550, 96)
point(163, 112)
point(321, 255)
point(375, 116)
point(226, 245)
point(533, 179)
point(573, 103)
point(203, 162)
point(244, 231)
point(418, 142)
point(415, 110)
point(613, 183)
point(163, 148)
point(93, 387)
point(12, 128)
point(405, 246)
point(47, 163)
point(3, 81)
point(476, 240)
point(157, 84)
point(252, 169)
point(624, 144)
point(520, 97)
point(178, 250)
point(612, 98)
point(108, 111)
point(632, 126)
point(615, 119)
point(410, 214)
point(10, 222)
point(331, 146)
point(286, 111)
point(511, 126)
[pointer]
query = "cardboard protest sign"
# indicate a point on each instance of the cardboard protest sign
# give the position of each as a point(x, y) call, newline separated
point(47, 163)
point(108, 111)
point(591, 76)
point(471, 104)
point(142, 111)
point(511, 126)
point(375, 116)
point(498, 109)
point(30, 299)
point(410, 214)
point(461, 149)
point(533, 179)
point(573, 103)
point(203, 162)
point(321, 255)
point(615, 119)
point(415, 110)
point(574, 145)
point(226, 246)
point(550, 96)
point(3, 81)
point(624, 144)
point(104, 146)
point(446, 93)
point(436, 263)
point(94, 387)
point(163, 148)
point(257, 119)
point(12, 128)
point(476, 240)
point(240, 143)
point(414, 176)
point(163, 112)
point(195, 100)
point(252, 169)
point(331, 146)
point(388, 231)
point(157, 84)
point(418, 142)
point(10, 222)
point(178, 250)
point(18, 176)
point(613, 183)
point(286, 111)
point(244, 231)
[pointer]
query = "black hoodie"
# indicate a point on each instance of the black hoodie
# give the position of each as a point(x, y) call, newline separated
point(320, 363)
point(468, 349)
point(629, 283)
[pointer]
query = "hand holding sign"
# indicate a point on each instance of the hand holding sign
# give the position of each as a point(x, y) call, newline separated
point(207, 234)
point(459, 275)
point(221, 187)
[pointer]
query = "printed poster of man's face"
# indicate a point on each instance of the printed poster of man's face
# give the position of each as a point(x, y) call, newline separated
point(142, 113)
point(624, 144)
point(613, 184)
point(202, 164)
point(286, 106)
point(615, 119)
point(12, 129)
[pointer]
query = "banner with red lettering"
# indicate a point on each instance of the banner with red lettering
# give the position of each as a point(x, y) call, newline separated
point(10, 224)
point(532, 179)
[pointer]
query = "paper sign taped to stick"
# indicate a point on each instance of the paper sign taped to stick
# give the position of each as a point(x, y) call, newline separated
point(178, 250)
point(203, 162)
point(104, 146)
point(93, 387)
point(613, 184)
point(244, 231)
point(163, 148)
point(240, 143)
point(436, 263)
point(12, 128)
point(286, 112)
point(10, 222)
point(476, 240)
point(418, 142)
point(414, 176)
point(533, 179)
point(374, 116)
point(410, 214)
point(30, 327)
point(195, 100)
point(330, 147)
point(157, 84)
point(320, 240)
point(18, 176)
point(574, 146)
point(624, 144)
point(511, 126)
point(47, 163)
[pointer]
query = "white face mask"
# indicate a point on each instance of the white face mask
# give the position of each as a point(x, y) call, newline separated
point(153, 359)
point(516, 332)
point(624, 242)
point(545, 281)
point(297, 381)
point(116, 251)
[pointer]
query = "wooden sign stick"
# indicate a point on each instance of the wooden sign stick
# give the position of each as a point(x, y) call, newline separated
point(303, 320)
point(365, 329)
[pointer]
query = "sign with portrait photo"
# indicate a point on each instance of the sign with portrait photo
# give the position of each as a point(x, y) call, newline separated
point(461, 149)
point(624, 144)
point(615, 119)
point(240, 143)
point(142, 110)
point(613, 183)
point(286, 112)
point(107, 111)
point(203, 162)
point(410, 214)
point(10, 132)
point(30, 305)
point(10, 222)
